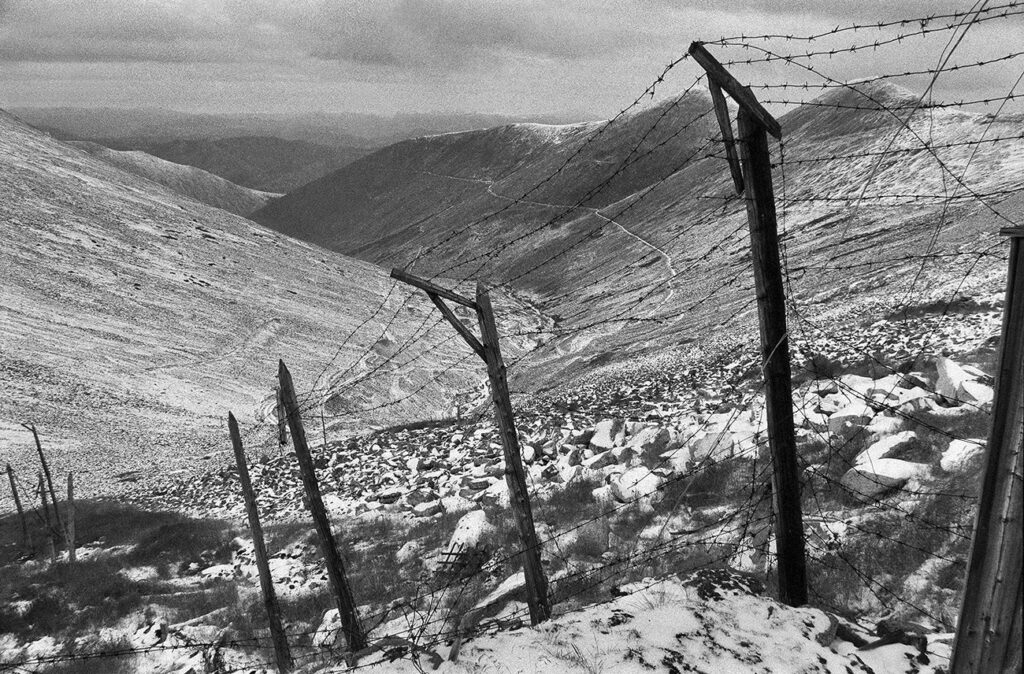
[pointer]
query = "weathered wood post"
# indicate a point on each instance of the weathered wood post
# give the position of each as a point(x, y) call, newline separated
point(46, 471)
point(69, 526)
point(282, 420)
point(26, 535)
point(515, 477)
point(281, 651)
point(988, 637)
point(46, 520)
point(753, 124)
point(353, 631)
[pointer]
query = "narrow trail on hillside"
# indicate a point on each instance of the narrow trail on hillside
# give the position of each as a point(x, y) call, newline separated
point(669, 263)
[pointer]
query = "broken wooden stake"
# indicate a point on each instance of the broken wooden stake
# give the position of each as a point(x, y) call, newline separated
point(281, 650)
point(26, 535)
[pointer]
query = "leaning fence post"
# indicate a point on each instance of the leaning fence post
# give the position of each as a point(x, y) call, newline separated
point(353, 631)
point(281, 650)
point(46, 471)
point(488, 349)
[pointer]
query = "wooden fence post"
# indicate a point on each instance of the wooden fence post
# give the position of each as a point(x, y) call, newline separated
point(282, 420)
point(69, 529)
point(753, 125)
point(46, 519)
point(988, 636)
point(281, 650)
point(26, 535)
point(515, 477)
point(46, 471)
point(353, 631)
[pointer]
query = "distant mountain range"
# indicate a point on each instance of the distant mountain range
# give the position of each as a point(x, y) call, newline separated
point(268, 152)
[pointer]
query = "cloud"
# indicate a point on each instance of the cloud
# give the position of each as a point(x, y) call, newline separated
point(114, 31)
point(390, 33)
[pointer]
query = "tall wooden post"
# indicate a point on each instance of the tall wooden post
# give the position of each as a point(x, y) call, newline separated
point(515, 477)
point(335, 569)
point(753, 125)
point(281, 651)
point(46, 471)
point(69, 526)
point(988, 637)
point(26, 535)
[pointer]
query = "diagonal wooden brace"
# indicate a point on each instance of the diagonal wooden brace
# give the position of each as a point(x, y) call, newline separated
point(739, 93)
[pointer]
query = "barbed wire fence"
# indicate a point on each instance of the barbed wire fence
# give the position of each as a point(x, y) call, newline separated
point(921, 520)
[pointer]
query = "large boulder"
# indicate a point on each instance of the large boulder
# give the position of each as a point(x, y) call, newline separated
point(599, 461)
point(976, 393)
point(885, 447)
point(851, 418)
point(884, 425)
point(636, 483)
point(956, 383)
point(951, 376)
point(650, 442)
point(711, 446)
point(678, 459)
point(959, 454)
point(470, 530)
point(881, 476)
point(328, 634)
point(607, 434)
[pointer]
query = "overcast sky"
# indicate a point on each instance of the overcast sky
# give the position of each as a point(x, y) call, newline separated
point(518, 57)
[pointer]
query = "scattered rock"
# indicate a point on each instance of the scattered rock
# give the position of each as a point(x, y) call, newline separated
point(851, 418)
point(607, 434)
point(428, 509)
point(635, 484)
point(883, 448)
point(881, 476)
point(959, 454)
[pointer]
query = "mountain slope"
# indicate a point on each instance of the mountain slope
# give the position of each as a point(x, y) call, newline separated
point(258, 162)
point(135, 318)
point(656, 256)
point(187, 180)
point(409, 191)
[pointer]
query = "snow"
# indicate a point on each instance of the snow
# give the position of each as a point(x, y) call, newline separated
point(679, 625)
